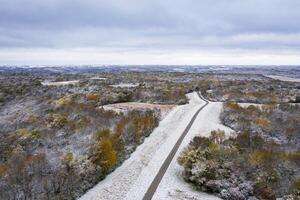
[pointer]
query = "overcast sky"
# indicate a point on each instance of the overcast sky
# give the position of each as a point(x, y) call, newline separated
point(149, 32)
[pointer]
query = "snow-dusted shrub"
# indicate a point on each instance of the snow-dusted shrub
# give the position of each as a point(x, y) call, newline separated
point(240, 168)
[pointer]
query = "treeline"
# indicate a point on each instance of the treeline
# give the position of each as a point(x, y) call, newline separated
point(250, 91)
point(17, 87)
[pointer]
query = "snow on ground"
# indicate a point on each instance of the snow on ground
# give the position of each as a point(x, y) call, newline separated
point(132, 179)
point(172, 185)
point(174, 130)
point(284, 78)
point(98, 78)
point(124, 107)
point(136, 173)
point(59, 83)
point(125, 85)
point(245, 105)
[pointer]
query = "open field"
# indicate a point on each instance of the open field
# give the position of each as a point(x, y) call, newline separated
point(125, 107)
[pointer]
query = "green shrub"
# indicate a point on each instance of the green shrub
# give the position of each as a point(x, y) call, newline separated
point(35, 134)
point(22, 132)
point(58, 120)
point(64, 101)
point(82, 123)
point(217, 136)
point(102, 133)
point(203, 142)
point(32, 118)
point(182, 101)
point(68, 160)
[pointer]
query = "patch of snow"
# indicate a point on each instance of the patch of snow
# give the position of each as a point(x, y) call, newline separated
point(125, 85)
point(98, 78)
point(59, 83)
point(245, 105)
point(284, 78)
point(125, 107)
point(178, 69)
point(114, 108)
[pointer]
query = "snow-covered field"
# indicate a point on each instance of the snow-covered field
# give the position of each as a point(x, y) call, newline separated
point(132, 179)
point(59, 83)
point(284, 78)
point(245, 105)
point(125, 85)
point(98, 78)
point(125, 107)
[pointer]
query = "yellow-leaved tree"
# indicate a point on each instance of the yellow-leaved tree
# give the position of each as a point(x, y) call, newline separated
point(106, 156)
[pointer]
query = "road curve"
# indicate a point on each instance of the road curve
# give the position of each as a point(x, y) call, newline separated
point(152, 188)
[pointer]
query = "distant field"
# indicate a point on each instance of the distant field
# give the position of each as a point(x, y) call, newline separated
point(284, 78)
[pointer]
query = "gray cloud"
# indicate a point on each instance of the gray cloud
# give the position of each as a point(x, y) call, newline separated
point(156, 24)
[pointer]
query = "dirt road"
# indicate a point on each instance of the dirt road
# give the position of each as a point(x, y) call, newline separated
point(151, 190)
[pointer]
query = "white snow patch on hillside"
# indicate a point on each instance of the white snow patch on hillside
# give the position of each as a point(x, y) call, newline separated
point(284, 78)
point(59, 83)
point(98, 78)
point(127, 106)
point(246, 105)
point(125, 85)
